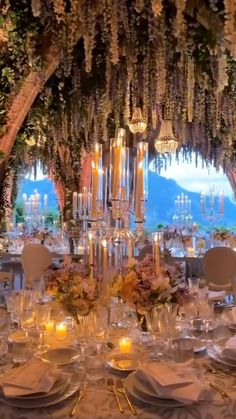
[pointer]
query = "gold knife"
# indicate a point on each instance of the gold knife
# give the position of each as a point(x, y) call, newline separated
point(220, 391)
point(76, 404)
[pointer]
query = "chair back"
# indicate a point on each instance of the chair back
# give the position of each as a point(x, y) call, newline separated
point(219, 268)
point(36, 258)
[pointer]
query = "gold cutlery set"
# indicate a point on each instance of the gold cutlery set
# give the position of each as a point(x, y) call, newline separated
point(117, 387)
point(217, 384)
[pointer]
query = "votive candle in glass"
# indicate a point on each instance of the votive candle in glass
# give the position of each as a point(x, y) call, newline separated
point(61, 331)
point(125, 345)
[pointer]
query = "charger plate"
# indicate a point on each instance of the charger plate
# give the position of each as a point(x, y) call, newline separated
point(214, 353)
point(139, 391)
point(60, 356)
point(72, 388)
point(60, 385)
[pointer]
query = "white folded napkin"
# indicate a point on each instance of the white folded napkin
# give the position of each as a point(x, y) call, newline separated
point(35, 376)
point(229, 316)
point(229, 350)
point(174, 381)
point(216, 295)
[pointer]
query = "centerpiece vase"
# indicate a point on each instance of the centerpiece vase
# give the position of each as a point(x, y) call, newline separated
point(146, 336)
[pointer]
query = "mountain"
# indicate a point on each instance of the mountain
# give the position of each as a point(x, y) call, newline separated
point(43, 187)
point(162, 193)
point(160, 206)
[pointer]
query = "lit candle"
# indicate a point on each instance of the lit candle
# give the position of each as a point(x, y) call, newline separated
point(139, 196)
point(191, 251)
point(130, 251)
point(75, 201)
point(125, 345)
point(117, 166)
point(49, 327)
point(104, 258)
point(90, 237)
point(94, 190)
point(202, 202)
point(157, 256)
point(194, 227)
point(61, 331)
point(221, 202)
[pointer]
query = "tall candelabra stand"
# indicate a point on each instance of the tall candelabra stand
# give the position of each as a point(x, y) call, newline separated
point(182, 217)
point(209, 211)
point(108, 206)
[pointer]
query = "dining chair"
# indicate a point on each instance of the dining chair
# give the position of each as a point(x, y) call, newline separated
point(36, 258)
point(219, 268)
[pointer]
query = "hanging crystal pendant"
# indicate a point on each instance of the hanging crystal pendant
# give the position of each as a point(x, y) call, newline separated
point(166, 142)
point(137, 123)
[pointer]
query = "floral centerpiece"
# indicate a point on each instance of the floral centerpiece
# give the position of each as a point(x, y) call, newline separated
point(221, 234)
point(73, 285)
point(142, 287)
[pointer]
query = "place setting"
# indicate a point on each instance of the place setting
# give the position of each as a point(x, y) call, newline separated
point(37, 384)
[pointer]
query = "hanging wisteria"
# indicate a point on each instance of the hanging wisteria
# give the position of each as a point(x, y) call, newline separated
point(117, 56)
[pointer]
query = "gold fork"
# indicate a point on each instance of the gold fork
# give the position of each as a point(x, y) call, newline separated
point(219, 390)
point(111, 386)
point(121, 390)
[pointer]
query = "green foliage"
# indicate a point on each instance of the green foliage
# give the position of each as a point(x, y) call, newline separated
point(52, 216)
point(19, 213)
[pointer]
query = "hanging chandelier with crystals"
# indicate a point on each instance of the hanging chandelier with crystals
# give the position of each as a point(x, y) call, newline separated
point(137, 123)
point(166, 141)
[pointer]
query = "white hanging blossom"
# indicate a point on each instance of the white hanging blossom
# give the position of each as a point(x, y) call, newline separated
point(222, 79)
point(229, 26)
point(179, 22)
point(59, 9)
point(157, 7)
point(36, 7)
point(190, 87)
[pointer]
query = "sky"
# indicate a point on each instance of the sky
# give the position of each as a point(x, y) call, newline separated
point(196, 179)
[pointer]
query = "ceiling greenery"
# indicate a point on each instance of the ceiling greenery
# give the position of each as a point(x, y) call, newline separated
point(164, 56)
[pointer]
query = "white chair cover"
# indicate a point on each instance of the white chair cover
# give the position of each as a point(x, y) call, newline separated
point(36, 258)
point(219, 268)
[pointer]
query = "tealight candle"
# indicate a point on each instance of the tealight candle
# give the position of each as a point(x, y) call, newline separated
point(191, 251)
point(125, 345)
point(49, 327)
point(61, 331)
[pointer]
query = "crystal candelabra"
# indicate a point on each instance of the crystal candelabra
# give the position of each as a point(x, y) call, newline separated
point(35, 209)
point(182, 216)
point(82, 206)
point(109, 206)
point(211, 213)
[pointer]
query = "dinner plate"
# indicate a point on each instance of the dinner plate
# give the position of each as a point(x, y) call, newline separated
point(60, 356)
point(198, 345)
point(215, 354)
point(72, 388)
point(130, 384)
point(59, 386)
point(123, 362)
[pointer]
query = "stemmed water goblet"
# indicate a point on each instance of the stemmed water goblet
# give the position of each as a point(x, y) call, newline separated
point(42, 316)
point(206, 314)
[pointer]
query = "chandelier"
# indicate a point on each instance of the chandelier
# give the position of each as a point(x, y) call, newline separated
point(166, 142)
point(137, 123)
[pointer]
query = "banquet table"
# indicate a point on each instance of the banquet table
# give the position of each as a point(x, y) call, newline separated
point(99, 403)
